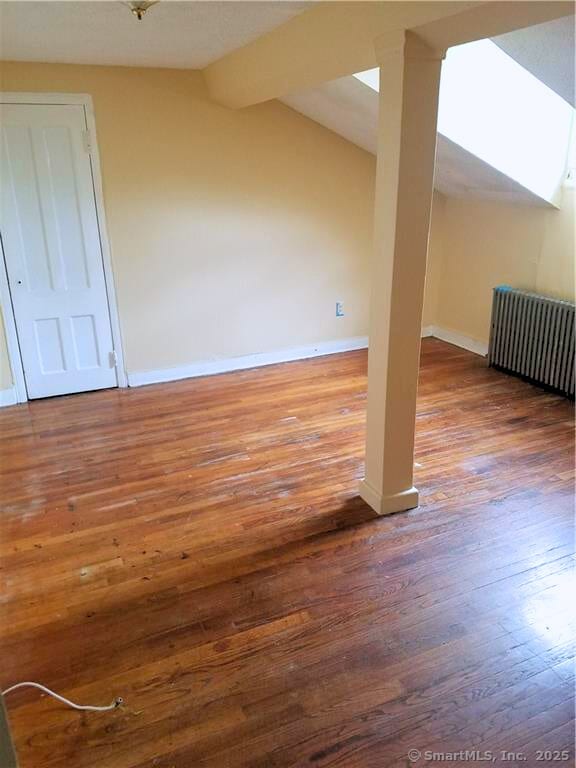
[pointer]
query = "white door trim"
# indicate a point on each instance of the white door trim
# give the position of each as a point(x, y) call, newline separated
point(85, 100)
point(14, 355)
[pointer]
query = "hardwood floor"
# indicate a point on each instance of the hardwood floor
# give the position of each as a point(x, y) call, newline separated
point(199, 548)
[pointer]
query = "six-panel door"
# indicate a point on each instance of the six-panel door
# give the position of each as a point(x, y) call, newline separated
point(52, 249)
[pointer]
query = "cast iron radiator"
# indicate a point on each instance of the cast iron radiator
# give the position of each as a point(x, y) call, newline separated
point(533, 337)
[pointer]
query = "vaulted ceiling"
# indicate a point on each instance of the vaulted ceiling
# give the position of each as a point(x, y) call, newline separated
point(350, 108)
point(547, 51)
point(196, 34)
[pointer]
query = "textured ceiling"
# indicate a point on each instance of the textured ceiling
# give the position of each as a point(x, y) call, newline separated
point(172, 34)
point(547, 51)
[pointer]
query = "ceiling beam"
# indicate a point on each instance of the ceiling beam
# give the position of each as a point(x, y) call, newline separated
point(490, 19)
point(334, 39)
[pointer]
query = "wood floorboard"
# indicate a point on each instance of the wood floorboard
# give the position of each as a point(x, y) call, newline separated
point(200, 549)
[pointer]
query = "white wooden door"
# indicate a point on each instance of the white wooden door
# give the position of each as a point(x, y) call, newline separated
point(51, 245)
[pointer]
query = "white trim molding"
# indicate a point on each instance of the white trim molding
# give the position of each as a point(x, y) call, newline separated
point(22, 97)
point(458, 339)
point(8, 397)
point(225, 365)
point(13, 347)
point(121, 374)
point(388, 505)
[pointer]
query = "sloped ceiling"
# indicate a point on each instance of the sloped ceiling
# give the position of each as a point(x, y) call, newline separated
point(350, 108)
point(193, 34)
point(547, 51)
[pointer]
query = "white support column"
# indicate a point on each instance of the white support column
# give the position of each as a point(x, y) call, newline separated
point(409, 87)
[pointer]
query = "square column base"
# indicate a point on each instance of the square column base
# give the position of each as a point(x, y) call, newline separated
point(387, 505)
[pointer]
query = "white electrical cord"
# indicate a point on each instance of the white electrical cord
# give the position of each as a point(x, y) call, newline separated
point(116, 703)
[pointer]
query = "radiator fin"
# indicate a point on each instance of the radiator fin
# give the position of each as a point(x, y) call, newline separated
point(534, 337)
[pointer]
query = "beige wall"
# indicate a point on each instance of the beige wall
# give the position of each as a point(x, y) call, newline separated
point(435, 260)
point(555, 275)
point(232, 232)
point(487, 244)
point(235, 232)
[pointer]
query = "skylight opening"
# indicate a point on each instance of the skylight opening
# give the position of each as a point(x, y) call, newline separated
point(498, 111)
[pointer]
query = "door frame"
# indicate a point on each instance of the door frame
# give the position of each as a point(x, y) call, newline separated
point(64, 99)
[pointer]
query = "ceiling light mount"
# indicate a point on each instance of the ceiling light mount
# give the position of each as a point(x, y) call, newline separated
point(139, 7)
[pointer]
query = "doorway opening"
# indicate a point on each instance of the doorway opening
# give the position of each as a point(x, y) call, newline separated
point(56, 282)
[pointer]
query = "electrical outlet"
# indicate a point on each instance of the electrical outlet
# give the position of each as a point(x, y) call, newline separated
point(339, 309)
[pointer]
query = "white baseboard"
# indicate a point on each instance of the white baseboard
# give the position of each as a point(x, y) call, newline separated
point(225, 365)
point(388, 505)
point(458, 339)
point(8, 397)
point(210, 367)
